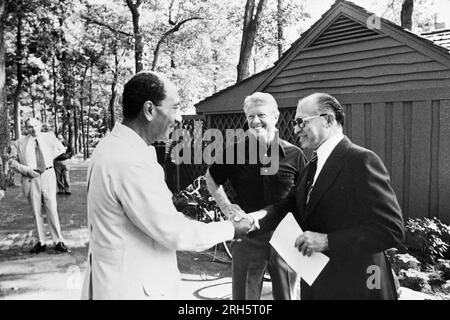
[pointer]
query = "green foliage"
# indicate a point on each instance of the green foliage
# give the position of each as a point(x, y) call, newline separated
point(426, 239)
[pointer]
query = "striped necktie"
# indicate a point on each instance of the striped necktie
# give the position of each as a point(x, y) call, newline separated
point(312, 168)
point(40, 162)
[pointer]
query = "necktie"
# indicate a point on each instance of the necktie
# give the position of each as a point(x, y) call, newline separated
point(40, 162)
point(312, 168)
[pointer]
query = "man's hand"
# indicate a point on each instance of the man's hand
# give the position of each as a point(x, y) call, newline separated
point(242, 224)
point(2, 194)
point(310, 242)
point(32, 174)
point(231, 209)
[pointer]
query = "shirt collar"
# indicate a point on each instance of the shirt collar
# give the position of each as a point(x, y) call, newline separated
point(281, 145)
point(325, 149)
point(130, 135)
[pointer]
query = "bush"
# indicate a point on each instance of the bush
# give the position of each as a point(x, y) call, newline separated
point(426, 239)
point(403, 261)
point(415, 280)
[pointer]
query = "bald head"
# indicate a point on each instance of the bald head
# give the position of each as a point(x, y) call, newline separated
point(324, 103)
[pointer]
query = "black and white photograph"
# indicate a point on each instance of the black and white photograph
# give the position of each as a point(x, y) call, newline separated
point(224, 154)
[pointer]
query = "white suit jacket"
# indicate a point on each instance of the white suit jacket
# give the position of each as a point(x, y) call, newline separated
point(135, 229)
point(51, 148)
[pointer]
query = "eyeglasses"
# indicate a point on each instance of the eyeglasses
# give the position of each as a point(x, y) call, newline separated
point(301, 122)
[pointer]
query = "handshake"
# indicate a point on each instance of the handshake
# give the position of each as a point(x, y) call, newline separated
point(242, 222)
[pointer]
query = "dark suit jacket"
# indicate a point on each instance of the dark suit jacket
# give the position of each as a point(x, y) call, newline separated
point(353, 202)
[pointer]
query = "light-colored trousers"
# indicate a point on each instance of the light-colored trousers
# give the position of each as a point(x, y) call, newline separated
point(43, 194)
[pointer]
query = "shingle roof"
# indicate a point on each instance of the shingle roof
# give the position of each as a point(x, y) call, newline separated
point(439, 37)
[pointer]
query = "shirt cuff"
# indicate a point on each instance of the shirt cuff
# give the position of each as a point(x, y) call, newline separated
point(225, 231)
point(256, 219)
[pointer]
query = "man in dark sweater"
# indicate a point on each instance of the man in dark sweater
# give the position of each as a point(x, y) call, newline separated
point(255, 189)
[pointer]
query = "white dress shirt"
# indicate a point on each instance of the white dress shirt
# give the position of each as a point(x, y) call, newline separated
point(30, 153)
point(324, 151)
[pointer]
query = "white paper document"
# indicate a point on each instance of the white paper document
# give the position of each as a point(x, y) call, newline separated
point(283, 241)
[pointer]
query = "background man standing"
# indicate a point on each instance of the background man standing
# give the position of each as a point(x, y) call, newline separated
point(251, 257)
point(346, 206)
point(134, 227)
point(62, 167)
point(32, 156)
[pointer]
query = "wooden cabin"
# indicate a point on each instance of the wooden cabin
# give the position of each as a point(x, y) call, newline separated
point(394, 85)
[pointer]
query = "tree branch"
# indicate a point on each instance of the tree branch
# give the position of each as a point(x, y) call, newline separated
point(389, 6)
point(171, 22)
point(102, 24)
point(178, 26)
point(134, 6)
point(166, 35)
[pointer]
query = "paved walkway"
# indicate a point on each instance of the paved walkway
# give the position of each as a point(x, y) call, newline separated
point(51, 275)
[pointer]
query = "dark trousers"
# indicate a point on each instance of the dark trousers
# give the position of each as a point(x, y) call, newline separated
point(251, 258)
point(62, 175)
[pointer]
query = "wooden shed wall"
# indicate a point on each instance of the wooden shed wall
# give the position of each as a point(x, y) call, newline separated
point(411, 137)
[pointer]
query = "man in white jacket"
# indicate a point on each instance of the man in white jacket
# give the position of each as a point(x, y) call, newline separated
point(134, 227)
point(32, 156)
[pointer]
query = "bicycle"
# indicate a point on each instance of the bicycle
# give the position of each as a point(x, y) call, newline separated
point(196, 203)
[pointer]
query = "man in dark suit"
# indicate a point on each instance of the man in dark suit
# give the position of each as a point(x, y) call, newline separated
point(62, 167)
point(345, 205)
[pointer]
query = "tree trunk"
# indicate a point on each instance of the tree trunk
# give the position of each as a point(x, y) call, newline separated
point(215, 57)
point(67, 71)
point(55, 102)
point(89, 114)
point(44, 108)
point(70, 125)
point(70, 109)
point(32, 98)
point(255, 62)
point(83, 141)
point(138, 45)
point(280, 33)
point(406, 14)
point(19, 56)
point(112, 100)
point(4, 116)
point(173, 63)
point(250, 28)
point(75, 128)
point(83, 137)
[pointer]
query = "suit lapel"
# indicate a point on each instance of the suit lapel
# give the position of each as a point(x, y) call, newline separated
point(301, 194)
point(327, 175)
